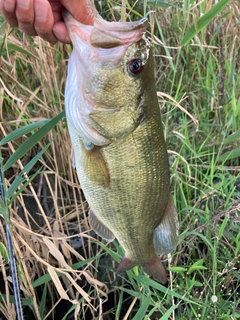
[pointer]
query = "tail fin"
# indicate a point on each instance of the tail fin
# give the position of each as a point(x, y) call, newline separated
point(153, 268)
point(125, 264)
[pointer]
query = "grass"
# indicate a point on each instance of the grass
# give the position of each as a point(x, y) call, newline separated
point(65, 272)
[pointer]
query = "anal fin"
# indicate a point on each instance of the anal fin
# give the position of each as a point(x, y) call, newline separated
point(165, 237)
point(99, 227)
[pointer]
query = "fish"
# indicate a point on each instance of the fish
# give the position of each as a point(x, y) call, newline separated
point(116, 131)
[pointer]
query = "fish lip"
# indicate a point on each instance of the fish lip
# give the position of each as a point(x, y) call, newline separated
point(104, 34)
point(89, 39)
point(121, 26)
point(102, 24)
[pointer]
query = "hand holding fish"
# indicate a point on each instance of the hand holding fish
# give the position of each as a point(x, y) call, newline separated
point(41, 17)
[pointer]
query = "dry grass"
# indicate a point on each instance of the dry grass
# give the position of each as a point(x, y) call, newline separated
point(42, 215)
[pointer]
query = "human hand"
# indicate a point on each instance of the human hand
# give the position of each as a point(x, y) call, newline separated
point(40, 17)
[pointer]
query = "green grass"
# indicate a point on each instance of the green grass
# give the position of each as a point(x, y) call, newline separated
point(198, 86)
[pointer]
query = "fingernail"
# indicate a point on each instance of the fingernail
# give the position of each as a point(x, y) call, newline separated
point(41, 10)
point(23, 4)
point(9, 5)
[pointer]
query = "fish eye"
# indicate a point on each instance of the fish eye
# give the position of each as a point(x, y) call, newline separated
point(135, 66)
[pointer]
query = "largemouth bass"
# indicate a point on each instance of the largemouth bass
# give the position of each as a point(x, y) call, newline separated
point(116, 131)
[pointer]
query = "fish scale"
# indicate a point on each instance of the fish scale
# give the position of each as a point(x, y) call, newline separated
point(116, 131)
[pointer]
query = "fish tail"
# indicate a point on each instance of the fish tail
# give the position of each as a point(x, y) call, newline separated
point(153, 268)
point(125, 264)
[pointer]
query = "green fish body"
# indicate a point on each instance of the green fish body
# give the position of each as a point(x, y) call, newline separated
point(116, 132)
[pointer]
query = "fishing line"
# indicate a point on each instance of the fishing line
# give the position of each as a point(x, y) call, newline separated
point(15, 280)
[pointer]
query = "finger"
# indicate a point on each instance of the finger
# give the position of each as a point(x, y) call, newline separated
point(57, 10)
point(44, 20)
point(61, 33)
point(25, 16)
point(80, 12)
point(8, 11)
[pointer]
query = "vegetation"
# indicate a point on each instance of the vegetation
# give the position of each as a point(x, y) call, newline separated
point(65, 272)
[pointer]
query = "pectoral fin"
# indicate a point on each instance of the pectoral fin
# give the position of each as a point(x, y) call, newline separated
point(95, 167)
point(99, 227)
point(166, 234)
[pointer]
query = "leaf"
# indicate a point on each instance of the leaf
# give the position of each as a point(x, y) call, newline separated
point(197, 283)
point(119, 306)
point(168, 313)
point(21, 131)
point(112, 253)
point(19, 179)
point(3, 211)
point(14, 47)
point(42, 306)
point(194, 268)
point(162, 4)
point(222, 227)
point(188, 233)
point(203, 21)
point(230, 155)
point(46, 278)
point(13, 197)
point(70, 310)
point(198, 265)
point(4, 252)
point(132, 293)
point(177, 269)
point(57, 283)
point(143, 309)
point(33, 140)
point(163, 289)
point(232, 137)
point(25, 302)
